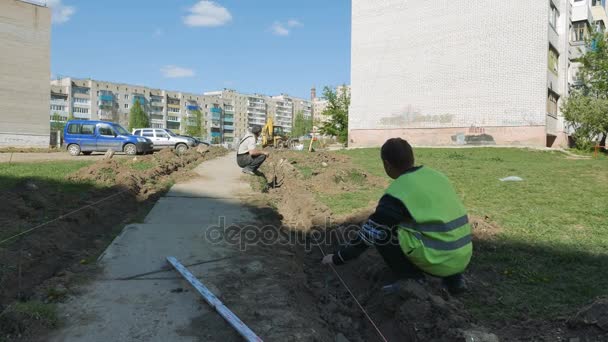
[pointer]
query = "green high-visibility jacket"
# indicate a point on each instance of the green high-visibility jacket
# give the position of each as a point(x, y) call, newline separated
point(437, 238)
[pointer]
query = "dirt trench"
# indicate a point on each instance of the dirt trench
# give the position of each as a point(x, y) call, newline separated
point(410, 311)
point(46, 265)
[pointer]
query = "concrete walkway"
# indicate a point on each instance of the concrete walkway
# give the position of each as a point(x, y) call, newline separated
point(125, 305)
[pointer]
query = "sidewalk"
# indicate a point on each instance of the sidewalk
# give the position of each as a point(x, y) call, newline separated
point(161, 306)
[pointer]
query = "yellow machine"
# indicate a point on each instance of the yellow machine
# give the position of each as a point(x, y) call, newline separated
point(274, 136)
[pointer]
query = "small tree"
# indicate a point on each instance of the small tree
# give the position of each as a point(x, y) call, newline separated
point(196, 130)
point(301, 125)
point(57, 123)
point(337, 110)
point(586, 110)
point(137, 117)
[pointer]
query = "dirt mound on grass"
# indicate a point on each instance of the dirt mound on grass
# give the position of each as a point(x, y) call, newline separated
point(140, 173)
point(298, 176)
point(80, 218)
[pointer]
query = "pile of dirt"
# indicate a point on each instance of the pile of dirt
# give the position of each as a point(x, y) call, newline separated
point(139, 175)
point(296, 177)
point(71, 228)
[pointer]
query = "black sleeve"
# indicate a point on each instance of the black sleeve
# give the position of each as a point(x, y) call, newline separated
point(378, 229)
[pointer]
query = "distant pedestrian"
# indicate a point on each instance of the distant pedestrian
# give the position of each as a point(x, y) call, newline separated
point(248, 156)
point(420, 224)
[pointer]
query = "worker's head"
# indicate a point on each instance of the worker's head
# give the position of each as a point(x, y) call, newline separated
point(398, 157)
point(256, 130)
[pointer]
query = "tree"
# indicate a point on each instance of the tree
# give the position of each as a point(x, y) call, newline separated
point(57, 123)
point(337, 110)
point(301, 125)
point(137, 117)
point(586, 110)
point(196, 129)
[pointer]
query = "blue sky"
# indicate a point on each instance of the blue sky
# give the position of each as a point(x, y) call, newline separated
point(263, 46)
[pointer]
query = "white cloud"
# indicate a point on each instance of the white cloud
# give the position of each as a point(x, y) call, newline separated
point(279, 30)
point(61, 12)
point(293, 23)
point(173, 71)
point(207, 13)
point(284, 29)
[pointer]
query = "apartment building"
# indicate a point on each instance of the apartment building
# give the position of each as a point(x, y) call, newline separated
point(25, 36)
point(460, 77)
point(100, 100)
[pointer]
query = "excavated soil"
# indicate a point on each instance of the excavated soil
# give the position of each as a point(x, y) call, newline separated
point(408, 311)
point(42, 265)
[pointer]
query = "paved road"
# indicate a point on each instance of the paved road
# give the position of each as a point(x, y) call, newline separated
point(53, 156)
point(161, 306)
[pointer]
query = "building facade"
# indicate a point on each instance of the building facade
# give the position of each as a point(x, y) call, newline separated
point(463, 73)
point(99, 100)
point(25, 36)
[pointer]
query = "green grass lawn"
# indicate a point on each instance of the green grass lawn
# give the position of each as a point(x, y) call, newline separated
point(551, 255)
point(51, 172)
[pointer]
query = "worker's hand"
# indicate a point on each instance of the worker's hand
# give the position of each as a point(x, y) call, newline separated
point(328, 259)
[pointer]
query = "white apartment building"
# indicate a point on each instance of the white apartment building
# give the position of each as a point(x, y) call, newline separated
point(100, 100)
point(25, 70)
point(464, 73)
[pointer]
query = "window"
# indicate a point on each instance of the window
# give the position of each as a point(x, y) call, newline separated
point(553, 61)
point(87, 129)
point(74, 129)
point(579, 31)
point(552, 104)
point(161, 134)
point(137, 132)
point(553, 14)
point(81, 110)
point(79, 100)
point(148, 133)
point(126, 97)
point(156, 125)
point(105, 130)
point(126, 106)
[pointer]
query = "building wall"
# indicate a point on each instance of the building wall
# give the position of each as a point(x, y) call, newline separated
point(25, 34)
point(449, 66)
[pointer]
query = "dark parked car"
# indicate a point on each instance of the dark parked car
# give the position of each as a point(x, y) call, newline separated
point(88, 136)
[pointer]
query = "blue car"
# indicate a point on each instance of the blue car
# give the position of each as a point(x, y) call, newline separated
point(99, 136)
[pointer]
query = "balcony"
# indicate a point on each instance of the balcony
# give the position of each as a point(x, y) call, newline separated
point(59, 102)
point(82, 104)
point(157, 117)
point(106, 97)
point(156, 104)
point(63, 117)
point(581, 11)
point(173, 118)
point(106, 116)
point(215, 110)
point(229, 127)
point(193, 107)
point(577, 50)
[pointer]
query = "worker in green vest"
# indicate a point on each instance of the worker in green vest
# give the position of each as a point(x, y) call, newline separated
point(420, 225)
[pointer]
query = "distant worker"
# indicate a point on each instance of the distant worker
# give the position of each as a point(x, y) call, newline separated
point(420, 225)
point(248, 156)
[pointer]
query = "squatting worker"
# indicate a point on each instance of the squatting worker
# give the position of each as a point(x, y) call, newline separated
point(420, 225)
point(248, 156)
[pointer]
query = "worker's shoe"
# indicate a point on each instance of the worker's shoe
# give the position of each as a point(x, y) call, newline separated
point(248, 172)
point(455, 284)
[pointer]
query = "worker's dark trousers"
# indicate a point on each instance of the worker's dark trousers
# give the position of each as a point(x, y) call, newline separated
point(246, 161)
point(402, 267)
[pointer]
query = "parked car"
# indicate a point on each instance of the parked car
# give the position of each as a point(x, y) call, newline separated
point(163, 138)
point(88, 136)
